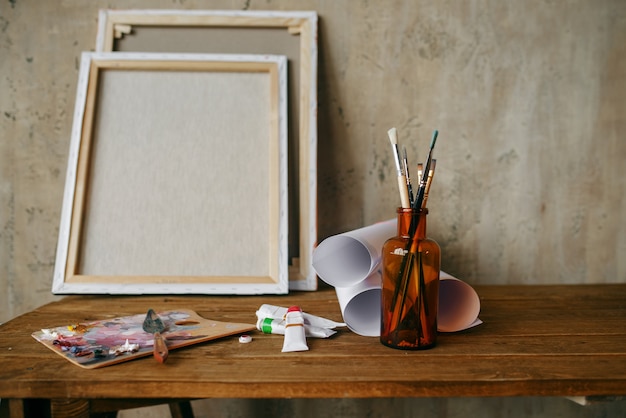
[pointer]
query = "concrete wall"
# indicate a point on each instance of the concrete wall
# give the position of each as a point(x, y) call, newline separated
point(529, 98)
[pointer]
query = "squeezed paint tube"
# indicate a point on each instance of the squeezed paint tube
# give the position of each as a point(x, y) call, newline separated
point(295, 340)
point(278, 312)
point(277, 326)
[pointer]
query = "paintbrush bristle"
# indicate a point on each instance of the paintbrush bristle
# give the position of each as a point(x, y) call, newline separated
point(432, 142)
point(393, 136)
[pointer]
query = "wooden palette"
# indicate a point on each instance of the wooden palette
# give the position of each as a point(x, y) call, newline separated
point(93, 344)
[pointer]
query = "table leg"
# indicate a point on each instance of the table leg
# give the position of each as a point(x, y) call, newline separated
point(14, 408)
point(181, 409)
point(69, 408)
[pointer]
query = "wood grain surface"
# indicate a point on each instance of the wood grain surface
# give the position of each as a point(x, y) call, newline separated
point(535, 341)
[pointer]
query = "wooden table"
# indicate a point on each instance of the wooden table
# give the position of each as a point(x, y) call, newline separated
point(535, 341)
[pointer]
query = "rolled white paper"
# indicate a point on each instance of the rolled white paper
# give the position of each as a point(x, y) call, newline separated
point(360, 305)
point(346, 259)
point(459, 305)
point(350, 262)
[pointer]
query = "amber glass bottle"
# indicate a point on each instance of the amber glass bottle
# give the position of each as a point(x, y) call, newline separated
point(410, 284)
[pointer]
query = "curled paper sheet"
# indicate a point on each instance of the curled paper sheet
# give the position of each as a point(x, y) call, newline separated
point(360, 305)
point(350, 262)
point(346, 259)
point(459, 305)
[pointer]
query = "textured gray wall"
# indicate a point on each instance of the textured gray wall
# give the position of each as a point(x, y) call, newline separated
point(529, 97)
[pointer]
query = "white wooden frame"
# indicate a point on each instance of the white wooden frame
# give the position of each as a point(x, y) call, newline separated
point(116, 26)
point(185, 108)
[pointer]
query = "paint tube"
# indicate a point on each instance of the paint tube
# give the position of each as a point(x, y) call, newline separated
point(278, 312)
point(277, 326)
point(295, 340)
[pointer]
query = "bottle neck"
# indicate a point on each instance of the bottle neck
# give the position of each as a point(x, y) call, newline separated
point(412, 222)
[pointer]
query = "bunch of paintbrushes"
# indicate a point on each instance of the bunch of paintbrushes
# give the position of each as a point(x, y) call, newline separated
point(416, 202)
point(425, 173)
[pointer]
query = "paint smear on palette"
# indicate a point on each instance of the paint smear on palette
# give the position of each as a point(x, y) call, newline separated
point(110, 341)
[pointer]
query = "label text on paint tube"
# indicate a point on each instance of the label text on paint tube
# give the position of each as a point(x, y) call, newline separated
point(277, 326)
point(295, 340)
point(279, 312)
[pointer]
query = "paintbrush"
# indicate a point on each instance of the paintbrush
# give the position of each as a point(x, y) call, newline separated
point(406, 174)
point(429, 181)
point(402, 185)
point(420, 172)
point(419, 200)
